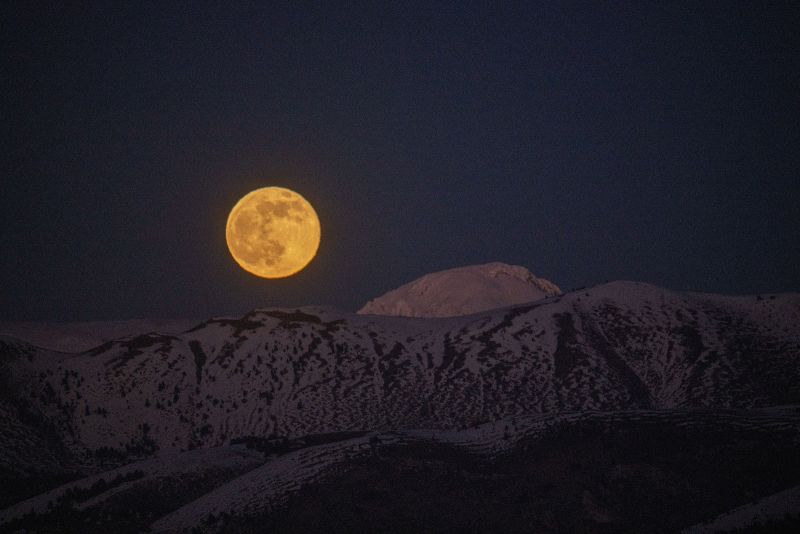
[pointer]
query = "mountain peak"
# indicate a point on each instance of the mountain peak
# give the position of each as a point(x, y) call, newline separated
point(462, 291)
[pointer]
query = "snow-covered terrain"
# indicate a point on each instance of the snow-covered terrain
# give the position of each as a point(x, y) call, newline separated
point(480, 382)
point(226, 459)
point(245, 485)
point(294, 372)
point(463, 291)
point(269, 486)
point(770, 508)
point(80, 336)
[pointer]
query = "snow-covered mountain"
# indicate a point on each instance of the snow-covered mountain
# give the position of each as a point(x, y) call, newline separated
point(294, 372)
point(463, 291)
point(289, 373)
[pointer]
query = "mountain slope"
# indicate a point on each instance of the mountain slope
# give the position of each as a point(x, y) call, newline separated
point(617, 346)
point(267, 488)
point(129, 413)
point(631, 471)
point(81, 336)
point(462, 291)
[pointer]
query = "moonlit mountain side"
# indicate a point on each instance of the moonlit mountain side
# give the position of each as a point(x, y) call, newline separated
point(463, 291)
point(586, 400)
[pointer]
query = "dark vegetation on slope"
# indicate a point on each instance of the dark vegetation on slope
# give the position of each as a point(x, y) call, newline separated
point(15, 488)
point(279, 445)
point(588, 476)
point(128, 511)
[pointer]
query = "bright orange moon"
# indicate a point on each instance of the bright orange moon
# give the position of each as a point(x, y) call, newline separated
point(273, 232)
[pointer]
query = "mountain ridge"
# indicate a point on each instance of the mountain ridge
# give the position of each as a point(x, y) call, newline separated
point(462, 291)
point(290, 372)
point(157, 402)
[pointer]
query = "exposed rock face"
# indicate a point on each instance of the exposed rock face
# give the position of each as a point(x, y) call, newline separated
point(463, 291)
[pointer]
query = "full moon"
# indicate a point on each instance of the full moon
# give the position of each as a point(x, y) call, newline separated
point(273, 232)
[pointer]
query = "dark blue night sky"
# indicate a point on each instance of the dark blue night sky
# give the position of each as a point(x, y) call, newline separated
point(648, 141)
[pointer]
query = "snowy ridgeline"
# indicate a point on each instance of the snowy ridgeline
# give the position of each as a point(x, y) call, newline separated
point(463, 291)
point(228, 420)
point(295, 372)
point(81, 336)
